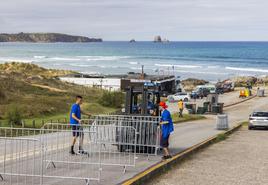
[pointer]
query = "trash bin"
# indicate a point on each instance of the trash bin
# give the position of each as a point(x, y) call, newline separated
point(215, 109)
point(188, 106)
point(191, 108)
point(206, 105)
point(260, 93)
point(222, 122)
point(200, 110)
point(221, 107)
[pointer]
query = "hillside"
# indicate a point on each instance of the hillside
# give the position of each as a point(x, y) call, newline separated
point(37, 92)
point(45, 37)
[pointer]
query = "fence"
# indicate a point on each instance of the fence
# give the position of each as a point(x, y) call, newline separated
point(41, 156)
point(35, 156)
point(117, 144)
point(147, 127)
point(13, 162)
point(26, 157)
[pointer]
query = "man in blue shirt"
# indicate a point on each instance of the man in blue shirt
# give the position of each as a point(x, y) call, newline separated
point(166, 129)
point(75, 122)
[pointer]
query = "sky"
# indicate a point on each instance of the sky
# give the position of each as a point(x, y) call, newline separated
point(176, 20)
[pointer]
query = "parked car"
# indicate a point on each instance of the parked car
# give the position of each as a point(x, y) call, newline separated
point(258, 119)
point(200, 92)
point(225, 86)
point(211, 88)
point(179, 96)
point(219, 90)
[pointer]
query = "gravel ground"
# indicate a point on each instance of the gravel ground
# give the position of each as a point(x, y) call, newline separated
point(240, 160)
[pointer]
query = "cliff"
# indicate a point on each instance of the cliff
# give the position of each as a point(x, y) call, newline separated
point(45, 37)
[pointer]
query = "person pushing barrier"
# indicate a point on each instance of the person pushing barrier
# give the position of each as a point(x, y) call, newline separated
point(76, 124)
point(166, 128)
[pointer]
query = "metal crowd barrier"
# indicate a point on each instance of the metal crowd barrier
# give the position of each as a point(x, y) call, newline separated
point(147, 127)
point(116, 144)
point(40, 156)
point(34, 156)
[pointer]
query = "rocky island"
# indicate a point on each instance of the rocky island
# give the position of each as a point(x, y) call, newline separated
point(45, 37)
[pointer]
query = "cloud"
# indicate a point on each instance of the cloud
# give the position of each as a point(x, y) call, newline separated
point(140, 19)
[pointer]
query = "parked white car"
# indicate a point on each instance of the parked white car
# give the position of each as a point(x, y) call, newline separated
point(179, 96)
point(258, 119)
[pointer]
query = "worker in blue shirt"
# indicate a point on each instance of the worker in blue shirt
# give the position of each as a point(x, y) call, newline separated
point(76, 124)
point(166, 128)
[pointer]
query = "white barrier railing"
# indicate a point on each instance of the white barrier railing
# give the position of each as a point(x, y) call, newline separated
point(32, 156)
point(147, 127)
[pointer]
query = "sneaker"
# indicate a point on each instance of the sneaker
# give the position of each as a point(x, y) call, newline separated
point(164, 157)
point(72, 152)
point(169, 157)
point(82, 152)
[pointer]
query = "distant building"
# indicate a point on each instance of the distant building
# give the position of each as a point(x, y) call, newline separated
point(121, 82)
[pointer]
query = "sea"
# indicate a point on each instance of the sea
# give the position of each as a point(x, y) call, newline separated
point(211, 61)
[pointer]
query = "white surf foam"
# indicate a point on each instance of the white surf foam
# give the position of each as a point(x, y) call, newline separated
point(103, 58)
point(178, 66)
point(134, 63)
point(247, 69)
point(40, 57)
point(87, 65)
point(15, 60)
point(64, 59)
point(202, 72)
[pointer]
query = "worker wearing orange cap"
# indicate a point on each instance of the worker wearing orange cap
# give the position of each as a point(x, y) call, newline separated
point(166, 128)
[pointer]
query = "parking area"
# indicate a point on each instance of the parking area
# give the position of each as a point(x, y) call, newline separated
point(239, 160)
point(227, 98)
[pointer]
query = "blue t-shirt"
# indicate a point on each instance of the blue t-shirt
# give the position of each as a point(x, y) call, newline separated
point(77, 112)
point(166, 128)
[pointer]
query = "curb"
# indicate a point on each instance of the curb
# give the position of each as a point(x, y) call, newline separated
point(226, 106)
point(162, 166)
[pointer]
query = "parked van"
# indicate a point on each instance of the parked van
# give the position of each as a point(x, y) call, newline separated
point(203, 90)
point(211, 88)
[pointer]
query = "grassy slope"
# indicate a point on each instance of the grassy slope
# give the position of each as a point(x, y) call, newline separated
point(26, 86)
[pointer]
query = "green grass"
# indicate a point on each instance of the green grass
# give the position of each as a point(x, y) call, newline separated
point(245, 124)
point(92, 108)
point(221, 137)
point(186, 117)
point(39, 95)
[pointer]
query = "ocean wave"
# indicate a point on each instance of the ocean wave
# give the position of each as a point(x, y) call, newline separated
point(16, 60)
point(64, 59)
point(213, 67)
point(202, 72)
point(204, 59)
point(88, 65)
point(40, 57)
point(247, 69)
point(178, 66)
point(80, 65)
point(134, 63)
point(135, 68)
point(103, 58)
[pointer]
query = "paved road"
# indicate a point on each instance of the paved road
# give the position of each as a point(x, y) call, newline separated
point(185, 135)
point(239, 160)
